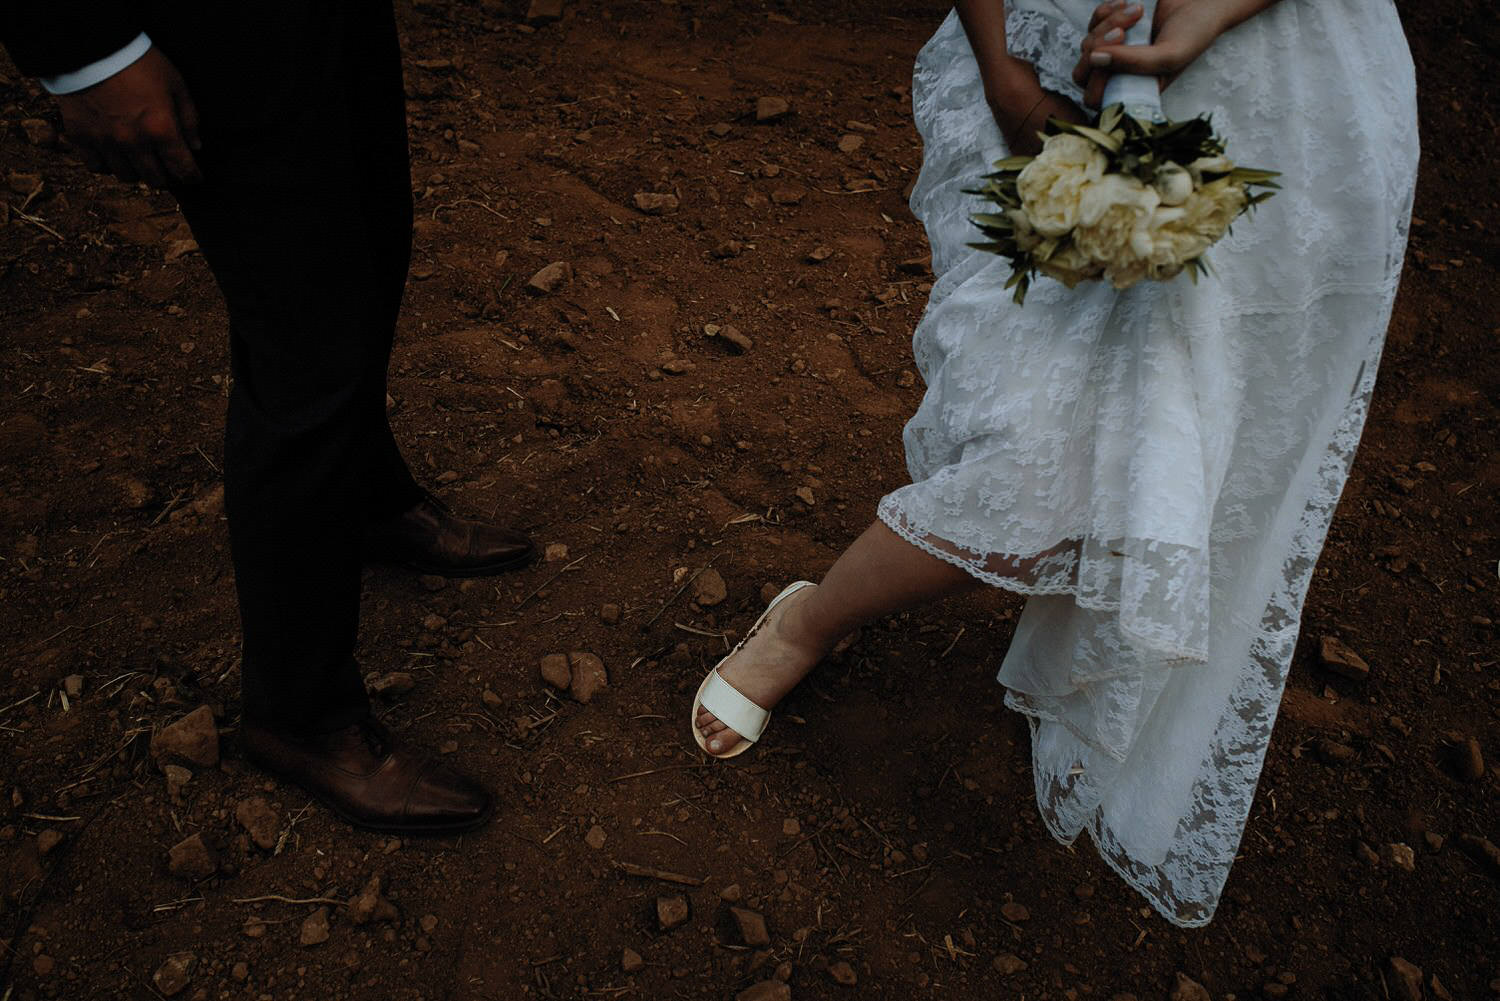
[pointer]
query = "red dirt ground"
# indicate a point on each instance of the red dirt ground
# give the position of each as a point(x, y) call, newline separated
point(891, 817)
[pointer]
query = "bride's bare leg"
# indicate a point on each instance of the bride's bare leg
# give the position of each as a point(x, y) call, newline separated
point(879, 574)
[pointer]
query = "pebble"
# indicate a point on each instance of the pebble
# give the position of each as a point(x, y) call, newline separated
point(1008, 964)
point(677, 366)
point(429, 923)
point(258, 817)
point(850, 143)
point(47, 840)
point(1334, 753)
point(1471, 760)
point(791, 827)
point(314, 928)
point(1013, 911)
point(1405, 980)
point(819, 254)
point(671, 912)
point(731, 894)
point(555, 670)
point(766, 990)
point(368, 905)
point(595, 838)
point(1188, 989)
point(709, 588)
point(788, 196)
point(806, 496)
point(43, 964)
point(587, 676)
point(555, 552)
point(240, 971)
point(1401, 856)
point(1481, 850)
point(177, 779)
point(1336, 656)
point(194, 738)
point(543, 11)
point(253, 928)
point(609, 614)
point(631, 961)
point(733, 337)
point(653, 203)
point(491, 699)
point(393, 684)
point(173, 975)
point(767, 109)
point(551, 278)
point(73, 685)
point(751, 925)
point(192, 859)
point(843, 974)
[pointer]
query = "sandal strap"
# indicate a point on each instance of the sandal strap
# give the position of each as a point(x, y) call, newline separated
point(732, 708)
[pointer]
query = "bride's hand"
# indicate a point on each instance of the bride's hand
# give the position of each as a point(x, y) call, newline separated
point(1181, 32)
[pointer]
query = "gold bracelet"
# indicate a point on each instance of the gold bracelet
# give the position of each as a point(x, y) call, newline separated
point(1038, 104)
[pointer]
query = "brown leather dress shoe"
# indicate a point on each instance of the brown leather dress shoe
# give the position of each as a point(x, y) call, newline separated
point(431, 539)
point(372, 778)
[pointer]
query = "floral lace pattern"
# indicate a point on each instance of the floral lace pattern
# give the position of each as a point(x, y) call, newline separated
point(1157, 468)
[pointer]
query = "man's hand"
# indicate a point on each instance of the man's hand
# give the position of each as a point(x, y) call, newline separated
point(139, 125)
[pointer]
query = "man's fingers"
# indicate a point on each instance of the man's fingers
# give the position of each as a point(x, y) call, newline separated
point(187, 116)
point(178, 159)
point(1146, 60)
point(1107, 30)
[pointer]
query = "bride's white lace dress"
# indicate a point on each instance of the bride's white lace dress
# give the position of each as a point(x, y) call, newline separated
point(1157, 467)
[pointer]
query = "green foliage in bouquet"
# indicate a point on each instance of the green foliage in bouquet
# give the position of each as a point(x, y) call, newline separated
point(1147, 153)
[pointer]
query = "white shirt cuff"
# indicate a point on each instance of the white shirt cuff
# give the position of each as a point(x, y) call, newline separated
point(97, 72)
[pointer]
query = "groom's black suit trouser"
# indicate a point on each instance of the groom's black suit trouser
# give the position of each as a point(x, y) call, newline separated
point(304, 217)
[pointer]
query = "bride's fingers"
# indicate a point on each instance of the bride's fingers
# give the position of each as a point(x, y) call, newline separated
point(1107, 30)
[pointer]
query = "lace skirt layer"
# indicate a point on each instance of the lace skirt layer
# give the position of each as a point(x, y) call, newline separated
point(1157, 468)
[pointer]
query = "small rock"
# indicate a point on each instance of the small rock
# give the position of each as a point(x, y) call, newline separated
point(1013, 911)
point(850, 143)
point(721, 129)
point(595, 838)
point(314, 928)
point(393, 684)
point(1336, 656)
point(555, 552)
point(586, 676)
point(654, 203)
point(609, 614)
point(766, 990)
point(551, 278)
point(42, 965)
point(433, 622)
point(806, 496)
point(709, 588)
point(491, 699)
point(791, 827)
point(1366, 854)
point(240, 971)
point(194, 738)
point(1434, 840)
point(192, 859)
point(1470, 760)
point(543, 11)
point(917, 265)
point(1188, 989)
point(631, 961)
point(1482, 851)
point(1440, 990)
point(429, 923)
point(1334, 753)
point(819, 254)
point(728, 248)
point(368, 905)
point(1401, 856)
point(73, 686)
point(732, 336)
point(47, 840)
point(677, 366)
point(177, 779)
point(555, 670)
point(767, 109)
point(253, 928)
point(751, 925)
point(731, 893)
point(843, 974)
point(671, 912)
point(1405, 980)
point(1008, 964)
point(788, 196)
point(258, 818)
point(173, 975)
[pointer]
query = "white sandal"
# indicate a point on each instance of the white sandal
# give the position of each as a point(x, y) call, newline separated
point(725, 701)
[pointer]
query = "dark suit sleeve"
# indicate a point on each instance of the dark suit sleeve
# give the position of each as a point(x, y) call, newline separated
point(52, 37)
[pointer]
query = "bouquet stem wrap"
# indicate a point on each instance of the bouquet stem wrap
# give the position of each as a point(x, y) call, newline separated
point(1139, 96)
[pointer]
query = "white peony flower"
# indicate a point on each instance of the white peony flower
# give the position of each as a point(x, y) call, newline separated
point(1052, 184)
point(1114, 219)
point(1070, 266)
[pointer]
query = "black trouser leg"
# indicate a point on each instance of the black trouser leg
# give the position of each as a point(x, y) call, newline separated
point(306, 225)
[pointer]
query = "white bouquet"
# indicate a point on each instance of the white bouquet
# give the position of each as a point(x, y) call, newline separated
point(1131, 197)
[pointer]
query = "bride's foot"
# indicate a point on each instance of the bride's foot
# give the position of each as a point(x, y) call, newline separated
point(772, 661)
